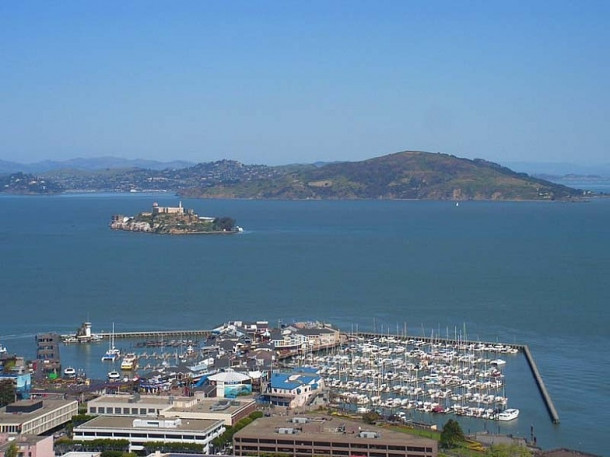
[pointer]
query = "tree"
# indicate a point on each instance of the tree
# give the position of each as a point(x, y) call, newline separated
point(12, 451)
point(7, 392)
point(371, 417)
point(452, 435)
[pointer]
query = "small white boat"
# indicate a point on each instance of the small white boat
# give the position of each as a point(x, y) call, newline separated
point(508, 414)
point(114, 375)
point(69, 372)
point(498, 362)
point(2, 350)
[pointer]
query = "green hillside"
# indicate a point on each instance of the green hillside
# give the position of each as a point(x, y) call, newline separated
point(403, 175)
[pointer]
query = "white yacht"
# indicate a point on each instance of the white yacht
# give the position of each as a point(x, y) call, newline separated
point(114, 375)
point(508, 414)
point(69, 372)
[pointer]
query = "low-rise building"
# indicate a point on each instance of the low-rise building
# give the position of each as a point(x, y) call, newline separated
point(28, 445)
point(293, 389)
point(141, 430)
point(197, 407)
point(37, 416)
point(334, 437)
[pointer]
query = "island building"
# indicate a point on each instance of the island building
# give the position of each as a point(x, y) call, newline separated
point(156, 209)
point(28, 445)
point(328, 436)
point(141, 430)
point(197, 407)
point(36, 416)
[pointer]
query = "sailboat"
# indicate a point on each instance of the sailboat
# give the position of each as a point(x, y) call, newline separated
point(112, 353)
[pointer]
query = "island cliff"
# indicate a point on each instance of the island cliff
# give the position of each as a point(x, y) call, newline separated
point(174, 220)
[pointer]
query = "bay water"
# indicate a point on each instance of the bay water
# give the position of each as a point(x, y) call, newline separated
point(535, 273)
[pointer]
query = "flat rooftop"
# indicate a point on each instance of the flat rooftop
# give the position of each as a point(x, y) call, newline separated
point(331, 428)
point(48, 405)
point(126, 423)
point(131, 400)
point(215, 405)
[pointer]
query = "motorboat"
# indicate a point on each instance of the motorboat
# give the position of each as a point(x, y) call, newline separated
point(508, 414)
point(129, 362)
point(69, 372)
point(114, 375)
point(498, 362)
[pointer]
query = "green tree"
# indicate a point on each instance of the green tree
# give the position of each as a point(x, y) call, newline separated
point(371, 417)
point(12, 451)
point(7, 392)
point(452, 435)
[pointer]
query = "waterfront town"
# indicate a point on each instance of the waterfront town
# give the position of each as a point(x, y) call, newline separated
point(247, 388)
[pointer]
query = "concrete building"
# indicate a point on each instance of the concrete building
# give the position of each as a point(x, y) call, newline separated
point(47, 352)
point(139, 431)
point(334, 437)
point(28, 445)
point(227, 411)
point(35, 417)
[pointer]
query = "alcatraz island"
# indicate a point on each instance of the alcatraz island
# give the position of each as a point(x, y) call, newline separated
point(174, 220)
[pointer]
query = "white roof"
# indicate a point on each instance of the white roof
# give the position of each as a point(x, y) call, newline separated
point(229, 376)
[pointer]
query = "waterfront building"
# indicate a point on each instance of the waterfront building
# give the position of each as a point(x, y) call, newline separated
point(141, 430)
point(334, 437)
point(37, 416)
point(28, 445)
point(197, 407)
point(231, 383)
point(295, 388)
point(47, 352)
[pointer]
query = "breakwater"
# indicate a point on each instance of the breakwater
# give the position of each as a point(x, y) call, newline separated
point(540, 383)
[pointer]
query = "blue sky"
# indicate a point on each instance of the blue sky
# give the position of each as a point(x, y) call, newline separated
point(279, 82)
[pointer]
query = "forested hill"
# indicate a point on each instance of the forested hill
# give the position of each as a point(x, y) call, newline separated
point(403, 175)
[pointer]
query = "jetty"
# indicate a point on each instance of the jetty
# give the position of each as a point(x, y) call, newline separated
point(540, 383)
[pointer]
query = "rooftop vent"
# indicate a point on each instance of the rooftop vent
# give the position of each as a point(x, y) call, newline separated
point(287, 431)
point(368, 434)
point(299, 420)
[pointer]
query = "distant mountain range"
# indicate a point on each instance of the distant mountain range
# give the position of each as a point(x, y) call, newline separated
point(559, 169)
point(403, 175)
point(96, 163)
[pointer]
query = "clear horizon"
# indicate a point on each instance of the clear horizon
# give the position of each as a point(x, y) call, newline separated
point(282, 82)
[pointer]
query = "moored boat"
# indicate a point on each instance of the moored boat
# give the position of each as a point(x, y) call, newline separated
point(69, 372)
point(114, 375)
point(129, 362)
point(508, 414)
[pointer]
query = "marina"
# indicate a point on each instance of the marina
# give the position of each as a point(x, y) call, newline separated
point(368, 371)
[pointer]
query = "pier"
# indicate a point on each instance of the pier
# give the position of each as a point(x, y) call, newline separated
point(545, 394)
point(158, 334)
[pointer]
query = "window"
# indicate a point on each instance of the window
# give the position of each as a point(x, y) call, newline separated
point(93, 409)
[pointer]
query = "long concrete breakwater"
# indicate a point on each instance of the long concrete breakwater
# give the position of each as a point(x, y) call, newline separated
point(540, 383)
